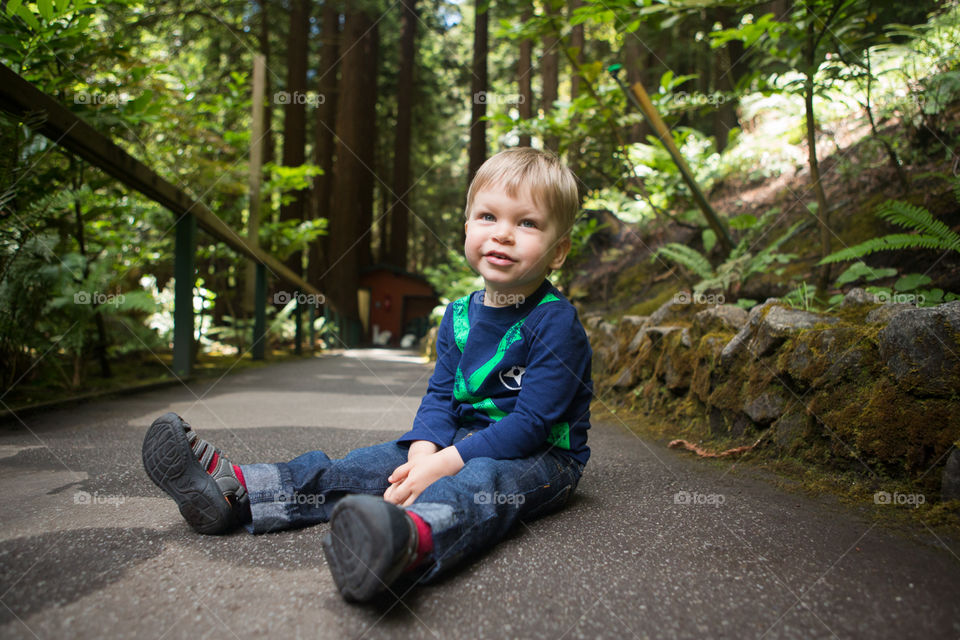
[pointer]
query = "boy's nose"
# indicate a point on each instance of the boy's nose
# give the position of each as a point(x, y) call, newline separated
point(503, 233)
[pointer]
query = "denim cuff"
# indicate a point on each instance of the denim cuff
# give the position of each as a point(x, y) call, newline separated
point(267, 486)
point(443, 530)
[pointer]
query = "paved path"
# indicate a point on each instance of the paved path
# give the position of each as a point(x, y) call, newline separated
point(89, 548)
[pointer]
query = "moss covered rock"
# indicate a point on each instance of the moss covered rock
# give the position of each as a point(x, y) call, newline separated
point(921, 349)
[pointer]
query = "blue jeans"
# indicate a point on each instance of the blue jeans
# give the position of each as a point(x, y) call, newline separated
point(468, 512)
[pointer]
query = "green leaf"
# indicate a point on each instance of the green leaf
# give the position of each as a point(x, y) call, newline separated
point(709, 237)
point(666, 80)
point(12, 7)
point(45, 7)
point(859, 270)
point(911, 281)
point(141, 102)
point(931, 297)
point(28, 17)
point(743, 221)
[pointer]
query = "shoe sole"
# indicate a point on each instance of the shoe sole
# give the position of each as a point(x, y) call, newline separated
point(358, 548)
point(171, 465)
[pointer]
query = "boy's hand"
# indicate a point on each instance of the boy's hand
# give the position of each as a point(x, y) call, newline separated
point(410, 479)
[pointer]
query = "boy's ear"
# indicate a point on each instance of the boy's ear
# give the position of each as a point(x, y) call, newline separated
point(560, 252)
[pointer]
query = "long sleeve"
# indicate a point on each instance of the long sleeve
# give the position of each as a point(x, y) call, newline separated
point(435, 420)
point(556, 377)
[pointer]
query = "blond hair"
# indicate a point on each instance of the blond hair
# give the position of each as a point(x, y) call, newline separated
point(552, 185)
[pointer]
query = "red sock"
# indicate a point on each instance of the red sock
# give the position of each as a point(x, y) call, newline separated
point(239, 474)
point(236, 469)
point(424, 539)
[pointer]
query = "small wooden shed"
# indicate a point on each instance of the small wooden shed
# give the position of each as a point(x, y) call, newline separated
point(394, 300)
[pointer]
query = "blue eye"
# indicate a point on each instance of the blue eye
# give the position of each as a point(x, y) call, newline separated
point(486, 216)
point(530, 224)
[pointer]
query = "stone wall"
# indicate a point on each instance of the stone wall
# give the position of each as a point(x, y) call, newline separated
point(874, 388)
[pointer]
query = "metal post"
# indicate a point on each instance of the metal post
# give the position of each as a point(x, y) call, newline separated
point(184, 272)
point(313, 329)
point(298, 328)
point(260, 313)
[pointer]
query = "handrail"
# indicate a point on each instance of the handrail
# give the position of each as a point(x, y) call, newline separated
point(64, 128)
point(69, 131)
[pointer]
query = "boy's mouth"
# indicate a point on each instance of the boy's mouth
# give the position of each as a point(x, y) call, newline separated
point(498, 258)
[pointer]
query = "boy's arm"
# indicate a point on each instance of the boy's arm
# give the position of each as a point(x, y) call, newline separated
point(421, 448)
point(558, 359)
point(435, 421)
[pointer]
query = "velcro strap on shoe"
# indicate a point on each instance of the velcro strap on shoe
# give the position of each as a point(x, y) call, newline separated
point(204, 451)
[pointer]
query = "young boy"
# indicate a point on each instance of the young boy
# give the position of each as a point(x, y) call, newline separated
point(501, 434)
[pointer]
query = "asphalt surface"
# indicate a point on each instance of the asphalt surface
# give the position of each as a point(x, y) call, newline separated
point(90, 548)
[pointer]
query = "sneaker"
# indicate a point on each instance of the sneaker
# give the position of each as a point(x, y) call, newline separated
point(369, 545)
point(211, 500)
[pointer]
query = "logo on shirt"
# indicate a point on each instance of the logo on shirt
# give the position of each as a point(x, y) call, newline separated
point(511, 377)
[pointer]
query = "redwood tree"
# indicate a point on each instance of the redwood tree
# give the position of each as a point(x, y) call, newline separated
point(295, 112)
point(524, 75)
point(346, 199)
point(323, 136)
point(399, 212)
point(478, 126)
point(550, 73)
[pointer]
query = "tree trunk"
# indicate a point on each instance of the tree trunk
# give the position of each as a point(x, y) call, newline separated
point(323, 136)
point(368, 147)
point(726, 70)
point(100, 348)
point(268, 151)
point(823, 211)
point(550, 74)
point(524, 74)
point(577, 42)
point(255, 201)
point(345, 210)
point(478, 126)
point(399, 212)
point(636, 59)
point(295, 114)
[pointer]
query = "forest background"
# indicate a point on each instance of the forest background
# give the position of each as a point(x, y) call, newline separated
point(378, 114)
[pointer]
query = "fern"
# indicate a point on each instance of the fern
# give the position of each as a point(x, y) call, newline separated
point(931, 233)
point(913, 217)
point(739, 265)
point(686, 257)
point(892, 242)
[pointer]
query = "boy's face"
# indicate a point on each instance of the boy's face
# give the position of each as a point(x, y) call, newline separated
point(512, 242)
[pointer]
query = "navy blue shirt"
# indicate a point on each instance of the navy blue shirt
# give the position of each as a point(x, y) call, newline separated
point(518, 375)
